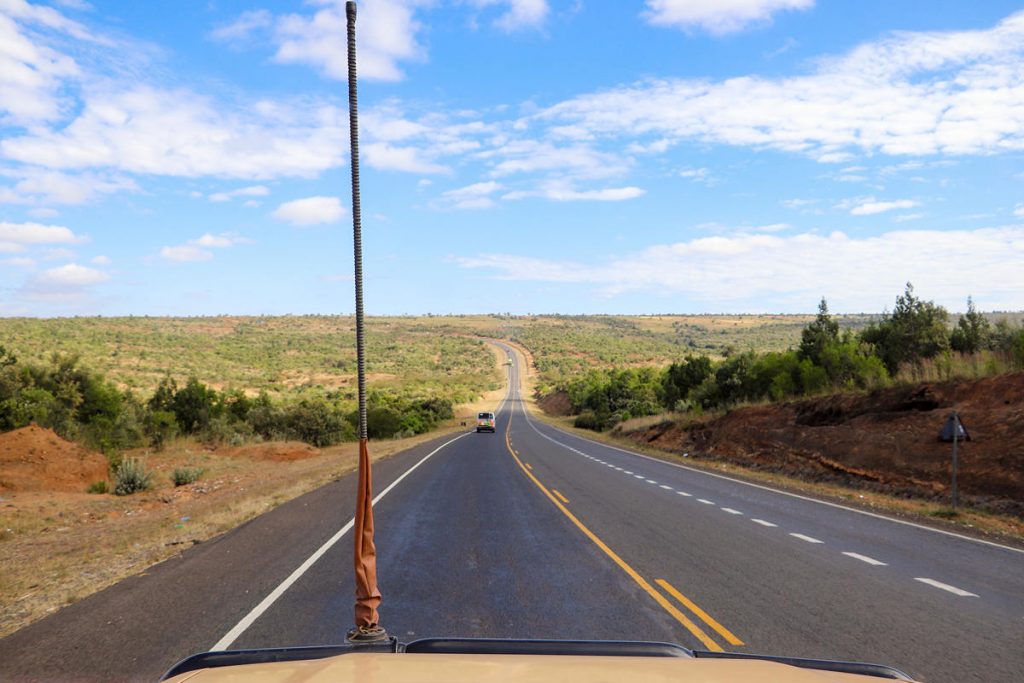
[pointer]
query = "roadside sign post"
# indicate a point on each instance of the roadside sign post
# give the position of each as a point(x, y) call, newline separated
point(956, 434)
point(954, 431)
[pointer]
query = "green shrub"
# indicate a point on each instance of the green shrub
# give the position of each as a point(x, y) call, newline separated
point(186, 475)
point(97, 487)
point(132, 477)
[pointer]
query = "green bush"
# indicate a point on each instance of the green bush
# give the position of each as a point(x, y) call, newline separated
point(97, 487)
point(186, 475)
point(132, 477)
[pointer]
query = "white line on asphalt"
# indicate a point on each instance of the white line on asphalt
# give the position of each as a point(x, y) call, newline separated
point(618, 469)
point(627, 471)
point(705, 501)
point(762, 522)
point(247, 621)
point(684, 493)
point(650, 481)
point(731, 511)
point(947, 587)
point(806, 538)
point(865, 558)
point(638, 476)
point(696, 470)
point(666, 487)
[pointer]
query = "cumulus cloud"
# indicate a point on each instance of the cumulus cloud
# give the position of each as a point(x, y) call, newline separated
point(1019, 211)
point(100, 260)
point(310, 211)
point(17, 236)
point(773, 272)
point(717, 17)
point(64, 284)
point(387, 35)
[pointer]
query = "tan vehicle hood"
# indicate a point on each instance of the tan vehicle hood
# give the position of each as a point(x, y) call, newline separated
point(441, 668)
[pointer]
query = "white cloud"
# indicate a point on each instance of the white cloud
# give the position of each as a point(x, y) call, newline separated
point(310, 211)
point(70, 275)
point(243, 28)
point(199, 248)
point(772, 272)
point(910, 93)
point(518, 14)
point(44, 212)
point(21, 262)
point(1019, 211)
point(36, 233)
point(146, 130)
point(476, 196)
point(871, 207)
point(717, 16)
point(101, 260)
point(610, 194)
point(186, 253)
point(387, 33)
point(54, 187)
point(385, 157)
point(250, 191)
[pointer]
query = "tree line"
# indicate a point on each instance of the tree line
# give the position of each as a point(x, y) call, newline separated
point(827, 359)
point(81, 405)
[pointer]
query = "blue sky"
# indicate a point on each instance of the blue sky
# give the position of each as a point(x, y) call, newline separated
point(544, 156)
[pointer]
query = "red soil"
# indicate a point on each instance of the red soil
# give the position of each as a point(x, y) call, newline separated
point(886, 440)
point(36, 459)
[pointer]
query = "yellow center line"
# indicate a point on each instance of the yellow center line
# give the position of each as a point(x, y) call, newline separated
point(690, 605)
point(633, 574)
point(560, 496)
point(529, 466)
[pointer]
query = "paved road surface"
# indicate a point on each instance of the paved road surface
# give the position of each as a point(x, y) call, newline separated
point(535, 533)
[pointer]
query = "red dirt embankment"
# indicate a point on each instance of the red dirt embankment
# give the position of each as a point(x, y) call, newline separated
point(36, 459)
point(886, 440)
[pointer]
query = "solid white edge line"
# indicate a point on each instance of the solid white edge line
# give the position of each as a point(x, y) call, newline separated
point(254, 614)
point(865, 558)
point(946, 587)
point(802, 537)
point(773, 490)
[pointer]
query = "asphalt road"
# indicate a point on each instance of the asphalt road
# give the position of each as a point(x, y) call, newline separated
point(535, 533)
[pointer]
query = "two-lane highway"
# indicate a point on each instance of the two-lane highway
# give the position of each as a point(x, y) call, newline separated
point(536, 533)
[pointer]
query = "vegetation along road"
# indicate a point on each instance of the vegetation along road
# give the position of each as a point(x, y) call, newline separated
point(535, 533)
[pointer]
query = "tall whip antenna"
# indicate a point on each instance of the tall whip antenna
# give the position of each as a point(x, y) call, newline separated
point(364, 552)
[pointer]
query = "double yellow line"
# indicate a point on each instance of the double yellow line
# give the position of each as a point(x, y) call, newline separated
point(559, 500)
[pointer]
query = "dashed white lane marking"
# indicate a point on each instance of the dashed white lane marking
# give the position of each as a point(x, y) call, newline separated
point(763, 523)
point(865, 558)
point(618, 469)
point(650, 481)
point(639, 476)
point(627, 472)
point(705, 501)
point(666, 487)
point(806, 538)
point(684, 493)
point(946, 587)
point(731, 511)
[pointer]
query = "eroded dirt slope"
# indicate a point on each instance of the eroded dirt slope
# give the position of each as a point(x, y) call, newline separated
point(36, 459)
point(886, 440)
